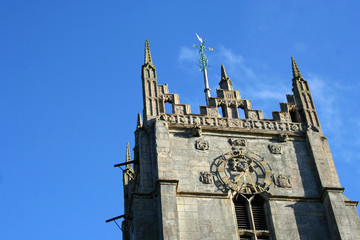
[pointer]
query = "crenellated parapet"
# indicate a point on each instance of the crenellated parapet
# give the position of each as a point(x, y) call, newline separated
point(223, 110)
point(288, 111)
point(229, 101)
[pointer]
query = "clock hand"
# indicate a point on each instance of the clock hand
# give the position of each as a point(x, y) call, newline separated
point(247, 173)
point(238, 177)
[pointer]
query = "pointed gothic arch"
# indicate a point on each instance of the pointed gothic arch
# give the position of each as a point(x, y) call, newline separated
point(251, 216)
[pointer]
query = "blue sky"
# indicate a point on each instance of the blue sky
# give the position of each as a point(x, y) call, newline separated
point(70, 91)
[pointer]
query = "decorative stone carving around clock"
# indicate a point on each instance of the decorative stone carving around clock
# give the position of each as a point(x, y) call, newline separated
point(237, 143)
point(206, 177)
point(243, 172)
point(275, 149)
point(202, 145)
point(282, 181)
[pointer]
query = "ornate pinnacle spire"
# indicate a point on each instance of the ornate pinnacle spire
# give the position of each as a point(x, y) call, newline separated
point(295, 69)
point(225, 82)
point(139, 121)
point(223, 72)
point(128, 157)
point(148, 59)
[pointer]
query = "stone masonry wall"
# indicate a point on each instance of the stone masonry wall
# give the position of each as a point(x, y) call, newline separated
point(294, 161)
point(209, 217)
point(206, 218)
point(299, 220)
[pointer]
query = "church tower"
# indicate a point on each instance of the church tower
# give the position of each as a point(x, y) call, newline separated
point(216, 176)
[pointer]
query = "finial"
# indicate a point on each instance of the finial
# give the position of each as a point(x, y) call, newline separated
point(139, 121)
point(225, 82)
point(128, 157)
point(148, 59)
point(203, 64)
point(295, 69)
point(203, 61)
point(223, 72)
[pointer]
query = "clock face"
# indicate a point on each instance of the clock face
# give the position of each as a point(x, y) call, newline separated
point(243, 172)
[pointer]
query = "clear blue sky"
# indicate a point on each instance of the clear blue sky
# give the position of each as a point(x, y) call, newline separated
point(70, 90)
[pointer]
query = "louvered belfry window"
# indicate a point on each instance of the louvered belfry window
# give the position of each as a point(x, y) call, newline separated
point(250, 216)
point(259, 218)
point(242, 215)
point(257, 206)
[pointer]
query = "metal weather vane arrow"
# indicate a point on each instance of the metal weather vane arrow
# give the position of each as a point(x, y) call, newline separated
point(203, 61)
point(203, 64)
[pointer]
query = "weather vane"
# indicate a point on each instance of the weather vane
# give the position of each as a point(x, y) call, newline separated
point(203, 64)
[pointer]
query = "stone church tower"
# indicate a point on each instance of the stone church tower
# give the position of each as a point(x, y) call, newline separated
point(215, 176)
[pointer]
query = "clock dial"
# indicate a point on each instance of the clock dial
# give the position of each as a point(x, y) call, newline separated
point(243, 172)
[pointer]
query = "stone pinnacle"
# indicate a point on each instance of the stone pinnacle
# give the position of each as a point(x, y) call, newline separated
point(148, 59)
point(139, 121)
point(225, 82)
point(128, 157)
point(295, 69)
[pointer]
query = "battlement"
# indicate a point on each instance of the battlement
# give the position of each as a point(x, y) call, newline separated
point(230, 102)
point(294, 115)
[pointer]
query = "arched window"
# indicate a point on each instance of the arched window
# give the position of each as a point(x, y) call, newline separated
point(241, 210)
point(251, 217)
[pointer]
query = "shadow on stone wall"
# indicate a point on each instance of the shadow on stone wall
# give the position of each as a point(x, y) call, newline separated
point(310, 220)
point(307, 170)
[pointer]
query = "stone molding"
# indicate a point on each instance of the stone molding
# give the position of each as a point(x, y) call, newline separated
point(204, 195)
point(246, 124)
